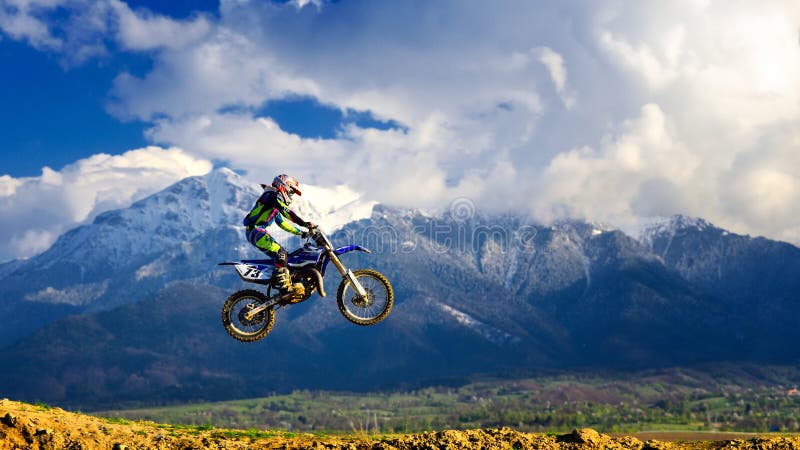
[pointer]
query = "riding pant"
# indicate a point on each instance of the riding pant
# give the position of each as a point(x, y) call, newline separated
point(259, 237)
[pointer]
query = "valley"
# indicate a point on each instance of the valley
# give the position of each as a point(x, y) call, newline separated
point(710, 399)
point(40, 426)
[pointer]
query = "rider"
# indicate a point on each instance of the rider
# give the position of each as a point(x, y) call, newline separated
point(273, 206)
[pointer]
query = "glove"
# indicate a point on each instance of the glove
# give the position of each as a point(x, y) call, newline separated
point(311, 227)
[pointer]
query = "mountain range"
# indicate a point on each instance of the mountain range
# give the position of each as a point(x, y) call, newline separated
point(126, 309)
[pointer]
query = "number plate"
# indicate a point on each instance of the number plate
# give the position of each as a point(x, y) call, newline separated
point(252, 272)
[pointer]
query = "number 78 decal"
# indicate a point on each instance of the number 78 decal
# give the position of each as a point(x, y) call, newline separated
point(250, 272)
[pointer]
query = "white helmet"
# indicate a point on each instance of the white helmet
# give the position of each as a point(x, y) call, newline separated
point(286, 187)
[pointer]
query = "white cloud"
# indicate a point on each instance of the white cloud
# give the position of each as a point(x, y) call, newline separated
point(18, 20)
point(8, 185)
point(558, 73)
point(672, 94)
point(760, 193)
point(728, 78)
point(378, 64)
point(226, 69)
point(34, 211)
point(144, 30)
point(738, 63)
point(643, 171)
point(89, 26)
point(684, 107)
point(301, 3)
point(468, 107)
point(384, 164)
point(641, 164)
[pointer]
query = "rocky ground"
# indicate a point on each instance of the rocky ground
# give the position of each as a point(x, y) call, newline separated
point(25, 426)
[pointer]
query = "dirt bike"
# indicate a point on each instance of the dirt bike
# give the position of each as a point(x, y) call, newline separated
point(365, 296)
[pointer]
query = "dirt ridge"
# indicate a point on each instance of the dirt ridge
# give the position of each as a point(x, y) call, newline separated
point(26, 426)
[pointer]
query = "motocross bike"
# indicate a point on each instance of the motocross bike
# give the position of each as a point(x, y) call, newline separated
point(365, 296)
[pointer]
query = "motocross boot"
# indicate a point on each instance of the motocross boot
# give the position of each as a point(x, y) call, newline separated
point(285, 283)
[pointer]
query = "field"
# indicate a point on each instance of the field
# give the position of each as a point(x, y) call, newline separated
point(677, 400)
point(40, 427)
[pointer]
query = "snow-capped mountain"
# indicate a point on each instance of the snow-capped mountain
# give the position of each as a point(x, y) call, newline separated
point(484, 293)
point(120, 256)
point(181, 213)
point(756, 279)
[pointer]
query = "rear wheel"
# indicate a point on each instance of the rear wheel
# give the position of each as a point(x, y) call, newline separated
point(238, 325)
point(368, 310)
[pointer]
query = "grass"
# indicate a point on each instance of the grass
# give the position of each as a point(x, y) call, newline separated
point(666, 401)
point(252, 434)
point(118, 420)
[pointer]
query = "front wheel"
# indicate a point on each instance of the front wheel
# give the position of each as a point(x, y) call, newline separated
point(238, 325)
point(371, 309)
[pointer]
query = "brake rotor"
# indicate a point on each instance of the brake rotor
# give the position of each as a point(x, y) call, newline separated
point(363, 302)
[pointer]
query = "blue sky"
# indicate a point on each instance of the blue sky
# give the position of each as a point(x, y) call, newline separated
point(68, 102)
point(620, 112)
point(60, 116)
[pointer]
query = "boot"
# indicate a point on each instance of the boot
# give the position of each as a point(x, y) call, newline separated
point(285, 283)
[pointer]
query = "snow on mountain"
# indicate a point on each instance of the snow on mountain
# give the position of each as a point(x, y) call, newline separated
point(677, 222)
point(127, 244)
point(77, 295)
point(489, 332)
point(229, 197)
point(571, 294)
point(182, 232)
point(185, 210)
point(158, 222)
point(331, 208)
point(669, 226)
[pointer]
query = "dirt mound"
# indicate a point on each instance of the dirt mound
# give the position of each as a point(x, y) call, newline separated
point(25, 426)
point(506, 438)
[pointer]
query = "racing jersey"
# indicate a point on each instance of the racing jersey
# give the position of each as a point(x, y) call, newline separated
point(270, 209)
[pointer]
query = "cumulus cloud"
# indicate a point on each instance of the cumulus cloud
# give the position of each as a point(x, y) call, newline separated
point(360, 158)
point(224, 70)
point(467, 108)
point(589, 109)
point(639, 170)
point(34, 211)
point(144, 30)
point(387, 61)
point(728, 79)
point(90, 27)
point(672, 96)
point(18, 20)
point(760, 192)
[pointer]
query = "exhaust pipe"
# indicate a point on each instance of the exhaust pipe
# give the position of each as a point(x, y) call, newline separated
point(317, 277)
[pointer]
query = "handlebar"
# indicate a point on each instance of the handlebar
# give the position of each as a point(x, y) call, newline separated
point(314, 234)
point(318, 237)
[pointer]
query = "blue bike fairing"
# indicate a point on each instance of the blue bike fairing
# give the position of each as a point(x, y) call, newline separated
point(248, 261)
point(341, 251)
point(301, 257)
point(350, 248)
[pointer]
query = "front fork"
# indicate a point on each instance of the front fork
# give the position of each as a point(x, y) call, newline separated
point(347, 273)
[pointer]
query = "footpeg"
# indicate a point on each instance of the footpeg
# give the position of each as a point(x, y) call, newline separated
point(295, 295)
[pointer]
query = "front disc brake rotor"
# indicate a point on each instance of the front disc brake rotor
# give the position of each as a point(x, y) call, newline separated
point(363, 302)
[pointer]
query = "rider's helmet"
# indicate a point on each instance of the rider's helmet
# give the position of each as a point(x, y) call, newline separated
point(286, 187)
